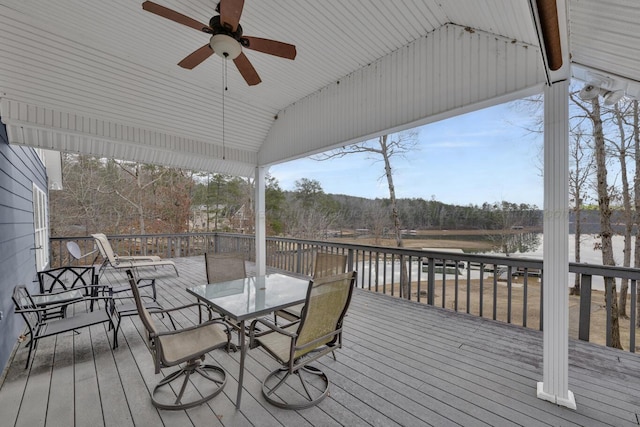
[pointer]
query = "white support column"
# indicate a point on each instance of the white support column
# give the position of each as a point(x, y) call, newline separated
point(554, 386)
point(261, 232)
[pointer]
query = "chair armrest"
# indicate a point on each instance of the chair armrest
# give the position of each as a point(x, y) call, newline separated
point(48, 307)
point(272, 328)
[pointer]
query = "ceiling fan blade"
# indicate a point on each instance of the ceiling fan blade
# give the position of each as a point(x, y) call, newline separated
point(272, 47)
point(196, 58)
point(246, 69)
point(152, 7)
point(230, 11)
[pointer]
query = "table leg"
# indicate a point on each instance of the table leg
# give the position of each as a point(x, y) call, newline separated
point(243, 353)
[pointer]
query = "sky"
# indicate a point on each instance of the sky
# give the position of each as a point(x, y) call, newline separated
point(483, 156)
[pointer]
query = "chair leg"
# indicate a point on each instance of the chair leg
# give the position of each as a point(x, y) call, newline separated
point(32, 346)
point(171, 401)
point(115, 333)
point(306, 397)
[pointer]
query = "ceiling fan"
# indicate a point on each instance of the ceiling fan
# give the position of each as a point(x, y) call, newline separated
point(226, 40)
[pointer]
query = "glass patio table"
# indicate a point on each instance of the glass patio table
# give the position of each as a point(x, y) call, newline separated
point(244, 299)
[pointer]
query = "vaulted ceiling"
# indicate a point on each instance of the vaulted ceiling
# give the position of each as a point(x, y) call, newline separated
point(100, 77)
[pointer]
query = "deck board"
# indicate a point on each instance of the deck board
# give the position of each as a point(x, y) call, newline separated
point(403, 363)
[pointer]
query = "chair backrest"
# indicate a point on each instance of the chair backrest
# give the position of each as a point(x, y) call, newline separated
point(325, 307)
point(105, 248)
point(326, 264)
point(224, 267)
point(64, 278)
point(144, 314)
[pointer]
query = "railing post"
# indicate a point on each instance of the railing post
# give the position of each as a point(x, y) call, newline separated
point(216, 243)
point(609, 283)
point(632, 324)
point(431, 281)
point(298, 258)
point(178, 246)
point(585, 307)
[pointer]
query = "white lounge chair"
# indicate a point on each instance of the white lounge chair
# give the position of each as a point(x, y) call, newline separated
point(111, 259)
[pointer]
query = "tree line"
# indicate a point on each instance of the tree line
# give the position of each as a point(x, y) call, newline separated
point(118, 197)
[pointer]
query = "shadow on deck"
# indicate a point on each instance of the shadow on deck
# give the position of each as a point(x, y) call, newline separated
point(403, 363)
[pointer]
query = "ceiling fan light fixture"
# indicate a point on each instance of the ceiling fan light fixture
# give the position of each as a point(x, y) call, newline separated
point(225, 46)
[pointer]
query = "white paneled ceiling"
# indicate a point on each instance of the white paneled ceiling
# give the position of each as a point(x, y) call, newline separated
point(100, 77)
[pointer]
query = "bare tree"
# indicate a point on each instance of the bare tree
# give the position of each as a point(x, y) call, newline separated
point(579, 174)
point(604, 199)
point(622, 145)
point(134, 194)
point(387, 147)
point(636, 190)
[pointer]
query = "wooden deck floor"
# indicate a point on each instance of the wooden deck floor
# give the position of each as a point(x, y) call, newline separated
point(402, 364)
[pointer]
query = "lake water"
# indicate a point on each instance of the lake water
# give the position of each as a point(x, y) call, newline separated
point(529, 246)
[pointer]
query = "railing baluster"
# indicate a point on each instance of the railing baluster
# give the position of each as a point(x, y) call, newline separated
point(509, 293)
point(468, 287)
point(584, 324)
point(609, 283)
point(481, 295)
point(444, 281)
point(632, 317)
point(495, 291)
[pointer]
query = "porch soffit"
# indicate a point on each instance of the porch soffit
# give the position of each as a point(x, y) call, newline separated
point(112, 66)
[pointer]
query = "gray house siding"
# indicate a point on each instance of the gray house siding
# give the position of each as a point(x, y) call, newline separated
point(20, 168)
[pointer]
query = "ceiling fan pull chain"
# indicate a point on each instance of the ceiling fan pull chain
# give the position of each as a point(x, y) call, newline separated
point(224, 89)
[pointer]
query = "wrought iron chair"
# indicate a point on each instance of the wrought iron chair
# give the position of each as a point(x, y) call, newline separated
point(186, 347)
point(55, 280)
point(317, 333)
point(36, 310)
point(324, 264)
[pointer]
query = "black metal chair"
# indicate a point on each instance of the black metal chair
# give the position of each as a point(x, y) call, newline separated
point(295, 346)
point(187, 348)
point(36, 311)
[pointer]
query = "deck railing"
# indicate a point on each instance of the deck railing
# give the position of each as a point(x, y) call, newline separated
point(507, 289)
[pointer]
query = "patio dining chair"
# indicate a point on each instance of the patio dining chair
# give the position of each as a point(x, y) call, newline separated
point(186, 348)
point(317, 333)
point(324, 264)
point(222, 267)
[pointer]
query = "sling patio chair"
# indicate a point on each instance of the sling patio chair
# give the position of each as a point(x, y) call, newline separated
point(222, 267)
point(110, 259)
point(324, 264)
point(317, 333)
point(35, 310)
point(187, 347)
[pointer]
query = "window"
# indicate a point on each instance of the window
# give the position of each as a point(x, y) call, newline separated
point(41, 225)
